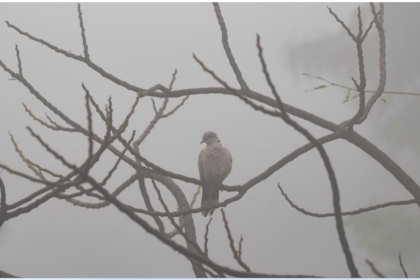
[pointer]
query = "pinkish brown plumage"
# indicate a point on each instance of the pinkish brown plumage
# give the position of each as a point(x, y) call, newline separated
point(214, 164)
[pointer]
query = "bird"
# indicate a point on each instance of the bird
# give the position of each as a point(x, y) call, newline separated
point(214, 165)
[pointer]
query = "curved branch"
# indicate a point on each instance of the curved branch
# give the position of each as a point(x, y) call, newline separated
point(251, 183)
point(228, 51)
point(327, 163)
point(382, 61)
point(346, 213)
point(189, 235)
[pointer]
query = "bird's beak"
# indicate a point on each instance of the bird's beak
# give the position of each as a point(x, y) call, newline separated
point(202, 142)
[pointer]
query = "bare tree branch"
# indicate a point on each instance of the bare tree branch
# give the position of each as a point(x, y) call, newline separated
point(343, 25)
point(3, 207)
point(246, 95)
point(88, 110)
point(232, 244)
point(356, 139)
point(228, 51)
point(88, 62)
point(375, 16)
point(53, 127)
point(240, 247)
point(353, 89)
point(402, 265)
point(206, 239)
point(328, 166)
point(374, 269)
point(19, 61)
point(82, 28)
point(347, 213)
point(195, 197)
point(171, 218)
point(109, 175)
point(143, 223)
point(174, 245)
point(382, 61)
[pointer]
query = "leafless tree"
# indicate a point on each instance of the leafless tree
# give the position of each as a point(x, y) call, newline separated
point(79, 182)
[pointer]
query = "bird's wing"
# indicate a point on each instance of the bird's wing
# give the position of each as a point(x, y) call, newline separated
point(230, 156)
point(226, 160)
point(200, 166)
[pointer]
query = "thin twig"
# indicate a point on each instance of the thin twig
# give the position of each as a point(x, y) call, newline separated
point(24, 159)
point(402, 266)
point(195, 197)
point(232, 244)
point(375, 16)
point(19, 61)
point(82, 28)
point(240, 247)
point(109, 175)
point(347, 213)
point(97, 108)
point(353, 89)
point(228, 51)
point(89, 119)
point(343, 25)
point(88, 62)
point(206, 239)
point(235, 92)
point(374, 269)
point(53, 127)
point(176, 107)
point(359, 17)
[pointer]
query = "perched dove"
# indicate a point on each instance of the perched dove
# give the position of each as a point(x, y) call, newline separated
point(214, 164)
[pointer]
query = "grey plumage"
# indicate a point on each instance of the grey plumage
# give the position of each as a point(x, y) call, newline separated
point(214, 164)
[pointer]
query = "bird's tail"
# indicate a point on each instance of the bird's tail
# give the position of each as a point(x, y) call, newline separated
point(210, 197)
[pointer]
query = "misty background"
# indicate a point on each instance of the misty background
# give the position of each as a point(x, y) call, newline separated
point(142, 43)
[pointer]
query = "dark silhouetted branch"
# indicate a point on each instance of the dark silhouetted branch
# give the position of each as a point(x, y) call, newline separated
point(343, 24)
point(206, 238)
point(184, 251)
point(19, 61)
point(88, 110)
point(328, 166)
point(402, 266)
point(347, 213)
point(232, 244)
point(82, 28)
point(228, 51)
point(55, 126)
point(171, 218)
point(379, 21)
point(240, 247)
point(88, 62)
point(3, 206)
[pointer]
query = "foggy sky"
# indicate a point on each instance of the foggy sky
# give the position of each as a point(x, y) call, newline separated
point(143, 43)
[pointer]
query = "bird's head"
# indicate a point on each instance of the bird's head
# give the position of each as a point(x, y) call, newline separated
point(210, 137)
